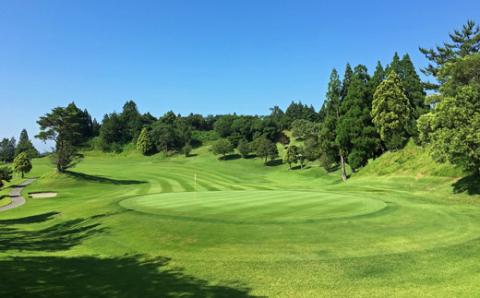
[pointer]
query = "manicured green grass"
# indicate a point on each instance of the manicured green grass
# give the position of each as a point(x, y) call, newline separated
point(126, 225)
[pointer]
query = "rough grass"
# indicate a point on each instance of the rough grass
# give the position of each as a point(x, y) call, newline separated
point(126, 225)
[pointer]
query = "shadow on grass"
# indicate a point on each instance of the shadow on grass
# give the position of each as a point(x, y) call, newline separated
point(29, 219)
point(103, 277)
point(469, 184)
point(274, 163)
point(100, 179)
point(231, 157)
point(57, 237)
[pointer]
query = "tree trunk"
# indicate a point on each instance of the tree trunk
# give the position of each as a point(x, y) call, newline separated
point(344, 171)
point(22, 174)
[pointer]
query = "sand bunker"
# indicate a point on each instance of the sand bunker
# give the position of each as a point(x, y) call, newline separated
point(42, 195)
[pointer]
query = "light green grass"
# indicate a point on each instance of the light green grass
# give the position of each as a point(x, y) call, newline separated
point(127, 225)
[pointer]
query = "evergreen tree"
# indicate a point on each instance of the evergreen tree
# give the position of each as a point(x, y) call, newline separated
point(327, 136)
point(347, 78)
point(265, 149)
point(413, 87)
point(378, 77)
point(463, 42)
point(25, 145)
point(7, 149)
point(5, 175)
point(22, 163)
point(144, 142)
point(132, 120)
point(63, 126)
point(356, 135)
point(391, 112)
point(395, 66)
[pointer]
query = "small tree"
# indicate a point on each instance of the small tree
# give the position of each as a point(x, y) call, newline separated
point(245, 148)
point(223, 147)
point(301, 156)
point(22, 163)
point(291, 155)
point(5, 175)
point(266, 149)
point(187, 149)
point(144, 142)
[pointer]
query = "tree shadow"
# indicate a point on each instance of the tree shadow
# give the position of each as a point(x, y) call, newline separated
point(130, 276)
point(191, 155)
point(29, 219)
point(274, 163)
point(231, 157)
point(469, 184)
point(100, 179)
point(57, 237)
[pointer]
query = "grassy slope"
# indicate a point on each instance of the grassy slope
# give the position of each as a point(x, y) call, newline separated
point(418, 238)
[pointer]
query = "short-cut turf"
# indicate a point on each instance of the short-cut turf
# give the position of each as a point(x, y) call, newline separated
point(126, 225)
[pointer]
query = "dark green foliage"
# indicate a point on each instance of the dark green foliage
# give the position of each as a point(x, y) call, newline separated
point(278, 117)
point(265, 148)
point(296, 111)
point(463, 42)
point(327, 135)
point(5, 175)
point(244, 148)
point(7, 150)
point(291, 155)
point(378, 77)
point(311, 149)
point(223, 126)
point(454, 124)
point(25, 145)
point(132, 120)
point(113, 132)
point(347, 78)
point(356, 135)
point(392, 112)
point(22, 163)
point(303, 129)
point(64, 126)
point(223, 147)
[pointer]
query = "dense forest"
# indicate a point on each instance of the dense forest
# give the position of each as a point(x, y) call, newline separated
point(363, 115)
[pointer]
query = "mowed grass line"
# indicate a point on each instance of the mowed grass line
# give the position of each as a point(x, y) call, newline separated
point(279, 233)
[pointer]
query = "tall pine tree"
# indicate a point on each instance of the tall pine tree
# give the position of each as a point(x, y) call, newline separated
point(329, 147)
point(25, 145)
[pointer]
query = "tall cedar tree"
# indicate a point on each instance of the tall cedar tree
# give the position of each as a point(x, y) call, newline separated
point(327, 137)
point(144, 142)
point(392, 112)
point(25, 145)
point(347, 79)
point(378, 77)
point(356, 134)
point(22, 163)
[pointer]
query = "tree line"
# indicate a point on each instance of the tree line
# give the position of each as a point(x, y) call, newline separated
point(363, 116)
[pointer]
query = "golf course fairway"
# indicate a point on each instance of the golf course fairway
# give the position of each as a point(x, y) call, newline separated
point(130, 226)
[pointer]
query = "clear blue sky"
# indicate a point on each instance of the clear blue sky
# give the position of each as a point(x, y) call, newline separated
point(199, 56)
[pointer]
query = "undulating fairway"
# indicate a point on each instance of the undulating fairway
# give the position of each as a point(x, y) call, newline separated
point(135, 226)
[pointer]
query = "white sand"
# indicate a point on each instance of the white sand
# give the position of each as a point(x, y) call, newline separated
point(42, 195)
